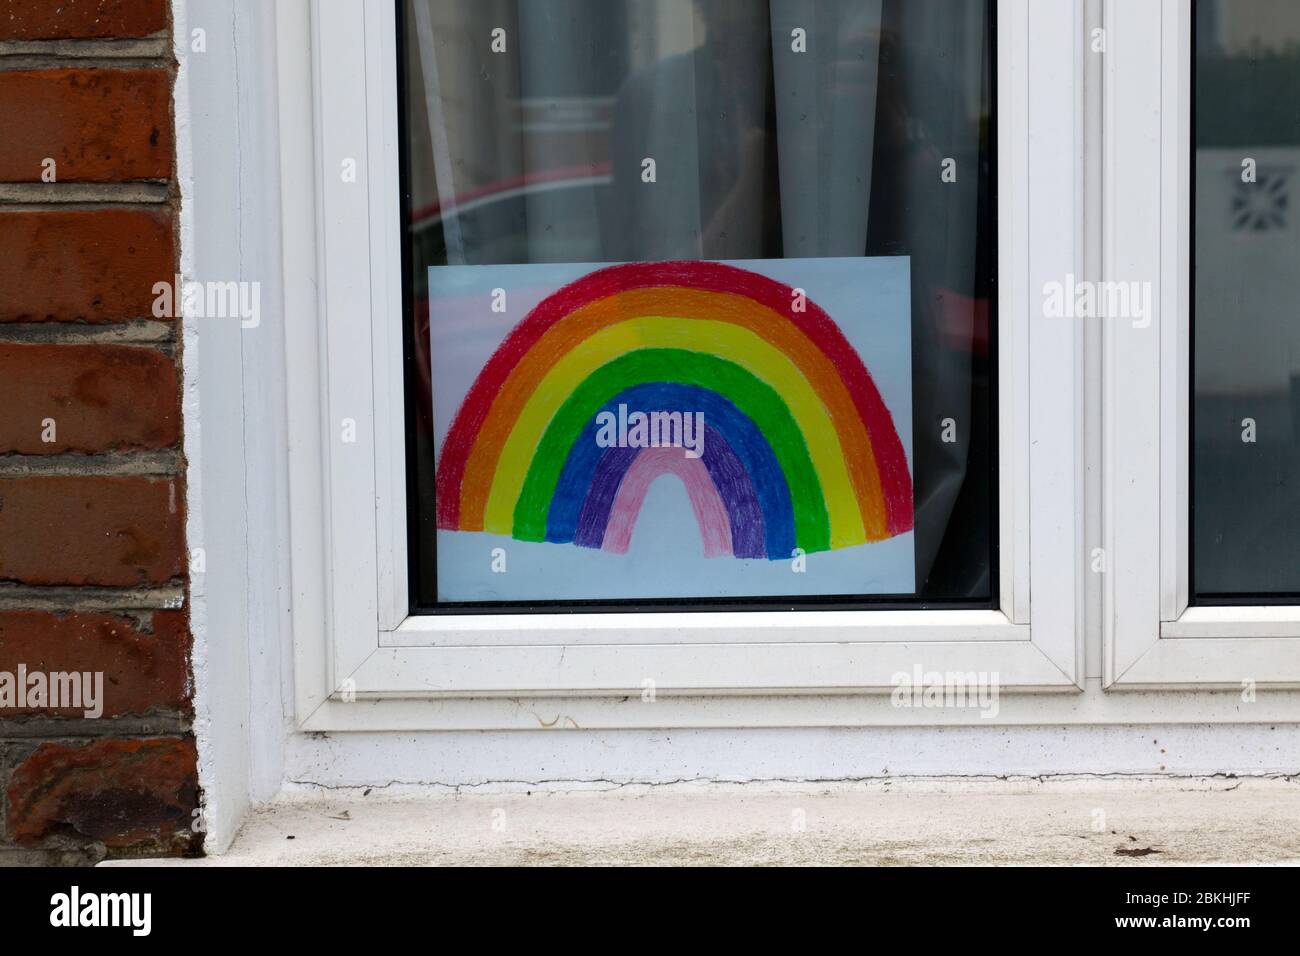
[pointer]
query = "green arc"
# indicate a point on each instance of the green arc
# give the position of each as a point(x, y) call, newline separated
point(756, 399)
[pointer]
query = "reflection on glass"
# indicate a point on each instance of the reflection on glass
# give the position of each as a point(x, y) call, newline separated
point(1246, 325)
point(837, 151)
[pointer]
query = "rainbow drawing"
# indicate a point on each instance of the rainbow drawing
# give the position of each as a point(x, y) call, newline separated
point(799, 449)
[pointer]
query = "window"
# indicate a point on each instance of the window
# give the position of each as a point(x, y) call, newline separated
point(443, 173)
point(801, 199)
point(1200, 585)
point(1246, 339)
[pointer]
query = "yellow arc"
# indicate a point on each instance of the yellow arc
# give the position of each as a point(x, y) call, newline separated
point(723, 339)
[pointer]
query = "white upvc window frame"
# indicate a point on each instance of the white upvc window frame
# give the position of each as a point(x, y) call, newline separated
point(356, 644)
point(1153, 638)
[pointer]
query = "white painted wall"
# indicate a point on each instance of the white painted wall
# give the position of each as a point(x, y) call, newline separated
point(504, 760)
point(228, 171)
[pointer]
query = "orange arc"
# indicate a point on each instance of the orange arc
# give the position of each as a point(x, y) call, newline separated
point(680, 302)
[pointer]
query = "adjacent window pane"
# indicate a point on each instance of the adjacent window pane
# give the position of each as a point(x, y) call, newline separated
point(1246, 309)
point(775, 216)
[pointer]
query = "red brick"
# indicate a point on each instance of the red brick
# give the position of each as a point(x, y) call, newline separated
point(127, 794)
point(96, 266)
point(142, 671)
point(99, 126)
point(98, 531)
point(80, 19)
point(101, 398)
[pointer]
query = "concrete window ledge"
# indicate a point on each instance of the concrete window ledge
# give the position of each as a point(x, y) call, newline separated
point(1064, 821)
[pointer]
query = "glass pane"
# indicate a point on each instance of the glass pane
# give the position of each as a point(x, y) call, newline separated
point(767, 227)
point(1246, 318)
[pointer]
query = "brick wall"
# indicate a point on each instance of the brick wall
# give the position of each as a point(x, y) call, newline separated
point(93, 566)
